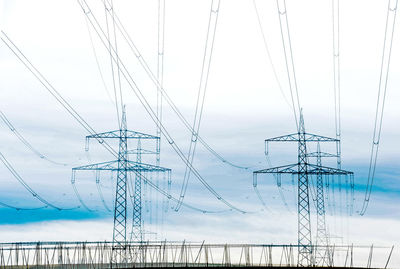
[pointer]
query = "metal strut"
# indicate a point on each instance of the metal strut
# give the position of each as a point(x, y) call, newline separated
point(303, 169)
point(322, 250)
point(137, 229)
point(120, 209)
point(123, 166)
point(303, 205)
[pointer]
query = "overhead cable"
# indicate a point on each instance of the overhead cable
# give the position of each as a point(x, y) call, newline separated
point(265, 43)
point(380, 105)
point(98, 63)
point(49, 87)
point(24, 141)
point(153, 78)
point(278, 180)
point(336, 77)
point(201, 94)
point(22, 208)
point(81, 121)
point(26, 186)
point(109, 9)
point(287, 49)
point(132, 84)
point(159, 102)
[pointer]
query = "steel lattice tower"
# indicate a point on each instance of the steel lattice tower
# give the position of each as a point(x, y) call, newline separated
point(322, 236)
point(303, 205)
point(322, 256)
point(123, 166)
point(120, 210)
point(137, 224)
point(303, 169)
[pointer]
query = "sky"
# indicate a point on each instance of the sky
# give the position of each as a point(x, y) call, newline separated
point(243, 107)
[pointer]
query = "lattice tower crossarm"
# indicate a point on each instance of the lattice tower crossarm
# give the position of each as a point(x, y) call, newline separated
point(302, 169)
point(137, 225)
point(122, 166)
point(303, 205)
point(322, 255)
point(120, 209)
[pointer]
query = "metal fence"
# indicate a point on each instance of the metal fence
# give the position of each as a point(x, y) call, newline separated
point(172, 254)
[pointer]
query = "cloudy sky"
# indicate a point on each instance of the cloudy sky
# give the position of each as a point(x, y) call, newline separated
point(243, 107)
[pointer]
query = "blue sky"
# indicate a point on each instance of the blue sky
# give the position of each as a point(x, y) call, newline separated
point(243, 107)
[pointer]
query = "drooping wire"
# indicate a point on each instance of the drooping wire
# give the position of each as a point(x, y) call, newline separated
point(337, 101)
point(327, 195)
point(265, 43)
point(100, 192)
point(22, 208)
point(294, 190)
point(151, 202)
point(287, 49)
point(380, 105)
point(115, 101)
point(333, 186)
point(78, 196)
point(277, 178)
point(259, 196)
point(352, 194)
point(160, 71)
point(17, 52)
point(336, 76)
point(26, 186)
point(159, 110)
point(98, 63)
point(97, 177)
point(132, 84)
point(172, 198)
point(347, 207)
point(49, 87)
point(24, 141)
point(106, 10)
point(340, 205)
point(153, 78)
point(25, 61)
point(201, 94)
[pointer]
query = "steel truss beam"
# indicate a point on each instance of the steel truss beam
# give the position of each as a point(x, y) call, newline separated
point(303, 169)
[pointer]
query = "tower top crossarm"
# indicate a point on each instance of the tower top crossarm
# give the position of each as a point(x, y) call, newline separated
point(130, 166)
point(311, 169)
point(129, 135)
point(321, 154)
point(295, 138)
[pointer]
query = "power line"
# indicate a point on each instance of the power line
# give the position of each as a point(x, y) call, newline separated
point(159, 102)
point(336, 76)
point(24, 141)
point(201, 94)
point(18, 53)
point(111, 62)
point(98, 63)
point(265, 43)
point(278, 180)
point(100, 192)
point(26, 186)
point(287, 49)
point(153, 78)
point(132, 84)
point(22, 208)
point(86, 126)
point(380, 105)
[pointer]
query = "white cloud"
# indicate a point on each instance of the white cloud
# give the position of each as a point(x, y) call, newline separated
point(243, 104)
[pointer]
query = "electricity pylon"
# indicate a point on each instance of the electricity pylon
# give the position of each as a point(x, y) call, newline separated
point(303, 169)
point(123, 166)
point(322, 254)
